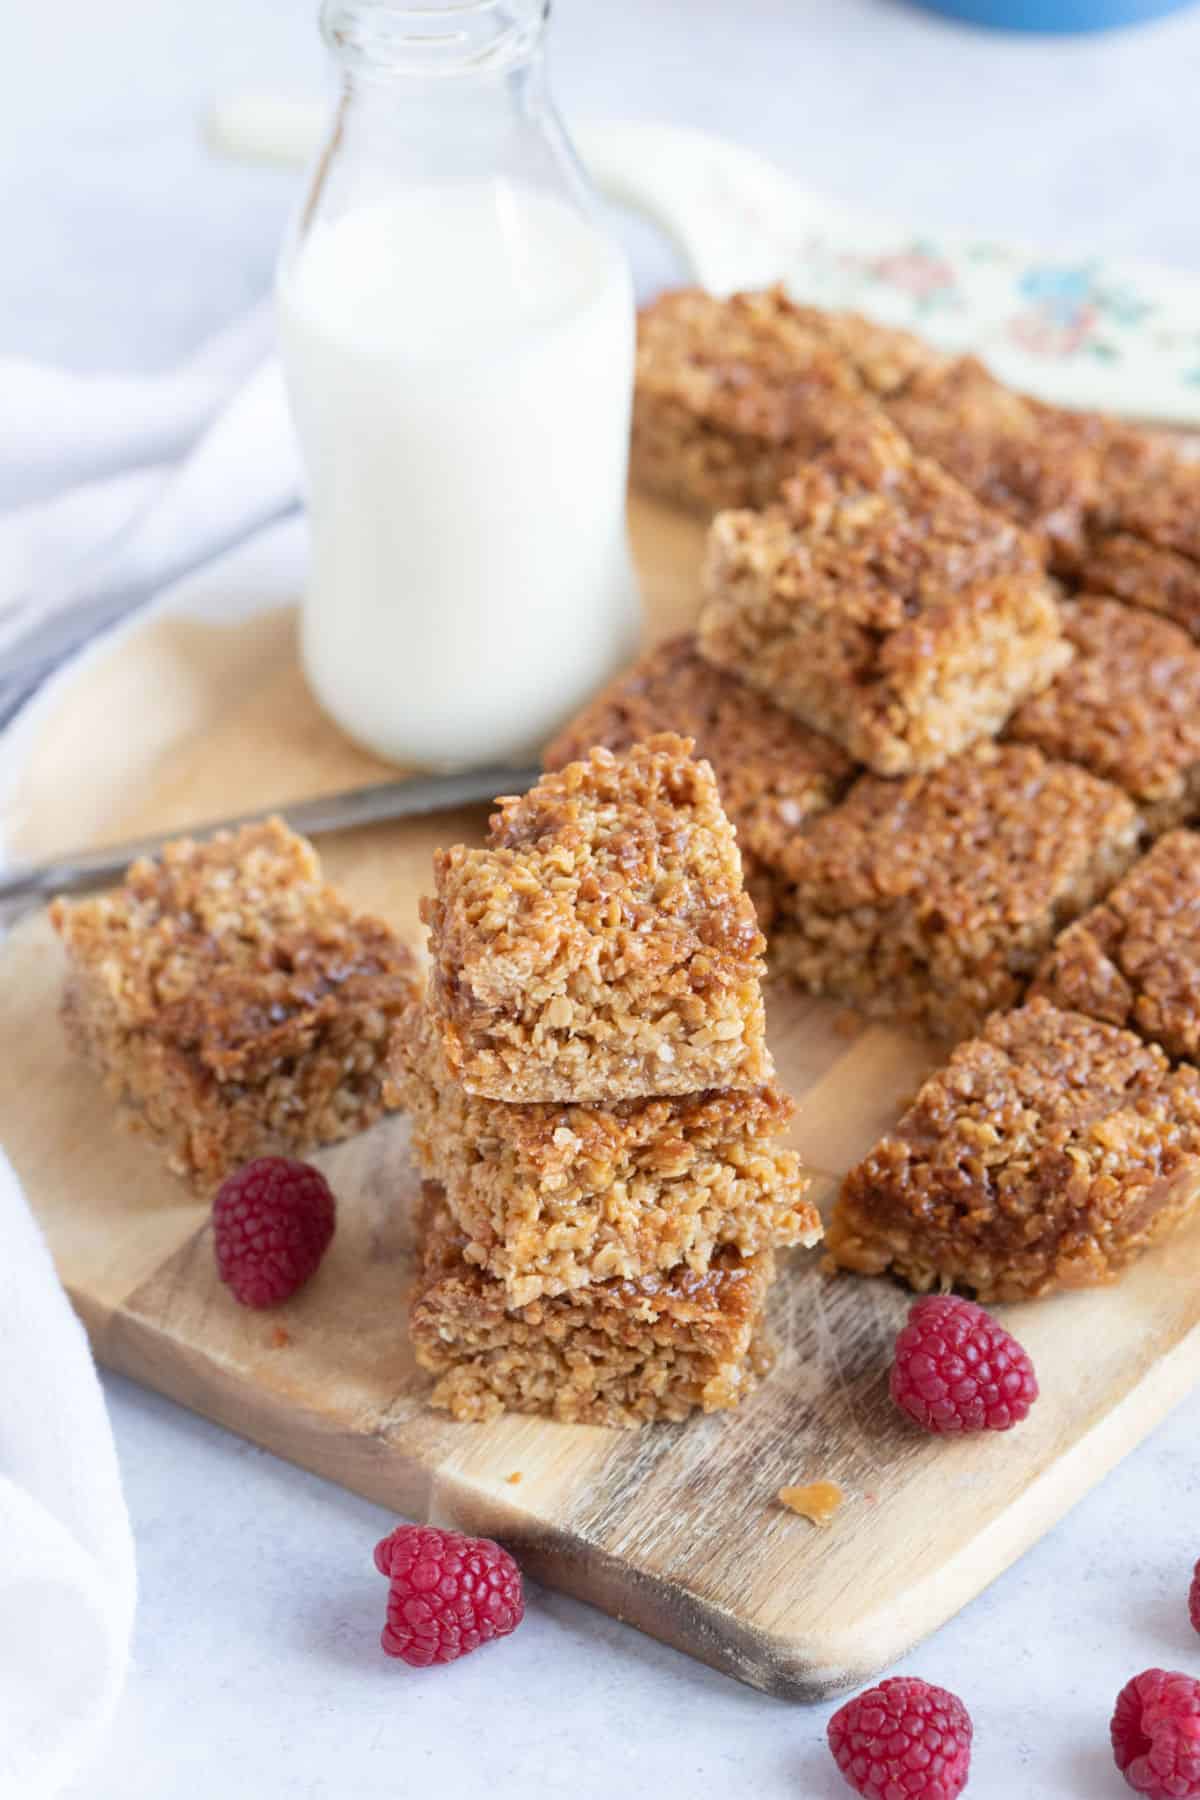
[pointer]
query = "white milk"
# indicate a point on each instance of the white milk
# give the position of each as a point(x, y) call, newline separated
point(460, 367)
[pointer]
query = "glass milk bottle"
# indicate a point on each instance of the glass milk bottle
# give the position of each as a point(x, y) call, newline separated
point(457, 334)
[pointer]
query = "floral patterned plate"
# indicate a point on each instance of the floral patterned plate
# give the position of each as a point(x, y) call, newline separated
point(1079, 331)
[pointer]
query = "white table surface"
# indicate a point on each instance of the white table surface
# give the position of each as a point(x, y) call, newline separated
point(256, 1668)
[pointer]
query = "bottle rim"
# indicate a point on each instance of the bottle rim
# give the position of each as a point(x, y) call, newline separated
point(433, 37)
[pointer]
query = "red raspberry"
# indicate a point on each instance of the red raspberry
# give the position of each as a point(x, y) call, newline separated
point(957, 1370)
point(272, 1223)
point(1156, 1735)
point(448, 1594)
point(1194, 1599)
point(903, 1740)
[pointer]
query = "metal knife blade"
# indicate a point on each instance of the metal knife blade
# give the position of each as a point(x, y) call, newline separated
point(78, 871)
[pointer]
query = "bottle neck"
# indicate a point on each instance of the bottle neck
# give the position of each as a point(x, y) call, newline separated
point(447, 92)
point(450, 42)
point(438, 129)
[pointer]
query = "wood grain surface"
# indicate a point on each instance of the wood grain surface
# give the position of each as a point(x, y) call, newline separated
point(674, 1528)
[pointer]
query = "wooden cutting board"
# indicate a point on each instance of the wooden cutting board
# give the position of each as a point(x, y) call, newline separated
point(672, 1528)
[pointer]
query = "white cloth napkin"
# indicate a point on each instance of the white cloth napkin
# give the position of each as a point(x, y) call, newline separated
point(122, 483)
point(110, 486)
point(67, 1579)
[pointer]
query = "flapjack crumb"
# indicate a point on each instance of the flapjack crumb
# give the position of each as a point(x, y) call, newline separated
point(816, 1501)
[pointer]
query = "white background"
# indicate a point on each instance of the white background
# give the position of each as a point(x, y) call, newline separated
point(257, 1674)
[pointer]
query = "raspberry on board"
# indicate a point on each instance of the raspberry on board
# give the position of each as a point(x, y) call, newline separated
point(903, 1740)
point(1156, 1734)
point(1194, 1599)
point(956, 1369)
point(447, 1594)
point(272, 1223)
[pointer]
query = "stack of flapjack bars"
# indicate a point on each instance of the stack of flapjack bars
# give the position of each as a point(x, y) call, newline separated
point(594, 1105)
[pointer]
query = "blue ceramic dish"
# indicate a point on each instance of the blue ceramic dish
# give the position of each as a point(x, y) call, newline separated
point(1053, 15)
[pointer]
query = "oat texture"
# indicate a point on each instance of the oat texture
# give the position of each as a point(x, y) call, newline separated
point(774, 774)
point(1048, 1153)
point(601, 946)
point(882, 605)
point(1127, 707)
point(731, 395)
point(551, 1196)
point(932, 899)
point(1134, 960)
point(233, 1001)
point(615, 1353)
